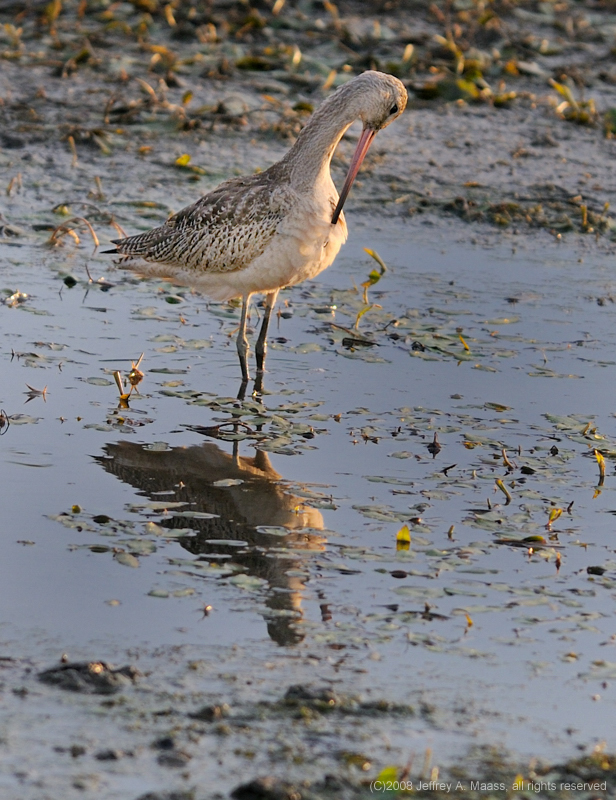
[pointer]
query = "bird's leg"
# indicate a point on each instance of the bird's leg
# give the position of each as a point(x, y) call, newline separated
point(261, 346)
point(242, 342)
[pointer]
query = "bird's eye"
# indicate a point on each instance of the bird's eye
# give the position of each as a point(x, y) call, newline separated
point(393, 110)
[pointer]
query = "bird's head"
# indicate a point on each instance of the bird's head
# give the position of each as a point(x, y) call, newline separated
point(382, 98)
point(377, 99)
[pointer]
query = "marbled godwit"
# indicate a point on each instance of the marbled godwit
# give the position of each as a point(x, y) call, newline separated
point(279, 227)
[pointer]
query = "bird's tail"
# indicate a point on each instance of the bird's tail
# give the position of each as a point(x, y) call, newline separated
point(144, 245)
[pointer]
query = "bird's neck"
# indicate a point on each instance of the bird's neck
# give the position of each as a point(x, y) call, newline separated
point(309, 159)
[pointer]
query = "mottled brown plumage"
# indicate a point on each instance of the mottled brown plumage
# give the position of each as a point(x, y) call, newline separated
point(206, 236)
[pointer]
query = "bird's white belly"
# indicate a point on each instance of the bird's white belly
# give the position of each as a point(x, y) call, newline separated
point(297, 253)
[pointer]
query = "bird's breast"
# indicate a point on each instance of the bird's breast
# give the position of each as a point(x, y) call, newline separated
point(304, 245)
point(311, 243)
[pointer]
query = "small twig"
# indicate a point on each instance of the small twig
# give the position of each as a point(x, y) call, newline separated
point(341, 328)
point(118, 227)
point(148, 89)
point(65, 228)
point(71, 144)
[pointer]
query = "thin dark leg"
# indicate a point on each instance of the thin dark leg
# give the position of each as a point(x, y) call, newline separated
point(242, 341)
point(241, 395)
point(261, 347)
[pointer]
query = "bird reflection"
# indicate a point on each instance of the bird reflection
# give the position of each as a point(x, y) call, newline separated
point(194, 475)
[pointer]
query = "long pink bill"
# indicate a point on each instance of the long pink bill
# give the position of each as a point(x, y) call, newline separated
point(367, 135)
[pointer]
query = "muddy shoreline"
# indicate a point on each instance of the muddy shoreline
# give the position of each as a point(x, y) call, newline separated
point(117, 89)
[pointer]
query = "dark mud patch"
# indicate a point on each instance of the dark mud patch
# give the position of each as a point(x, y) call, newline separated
point(95, 677)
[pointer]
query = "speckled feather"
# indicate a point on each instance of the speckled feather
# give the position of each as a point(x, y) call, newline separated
point(223, 231)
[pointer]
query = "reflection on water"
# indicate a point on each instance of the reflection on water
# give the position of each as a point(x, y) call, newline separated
point(245, 494)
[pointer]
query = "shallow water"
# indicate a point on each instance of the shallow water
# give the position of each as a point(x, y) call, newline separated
point(294, 548)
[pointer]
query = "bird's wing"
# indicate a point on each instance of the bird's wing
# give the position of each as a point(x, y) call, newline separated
point(223, 231)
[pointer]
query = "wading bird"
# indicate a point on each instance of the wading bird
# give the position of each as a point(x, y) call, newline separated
point(279, 227)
